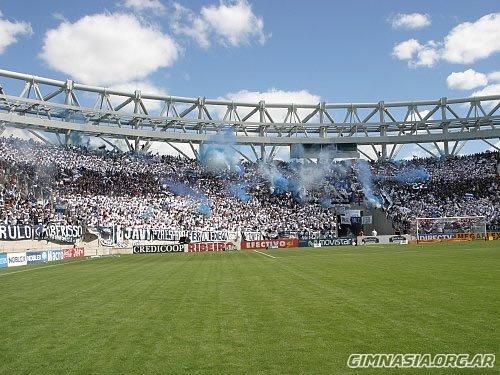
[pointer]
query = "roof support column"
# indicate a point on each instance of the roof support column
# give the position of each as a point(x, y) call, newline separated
point(137, 109)
point(443, 104)
point(262, 117)
point(383, 129)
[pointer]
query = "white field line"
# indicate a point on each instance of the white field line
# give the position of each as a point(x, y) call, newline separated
point(39, 268)
point(267, 255)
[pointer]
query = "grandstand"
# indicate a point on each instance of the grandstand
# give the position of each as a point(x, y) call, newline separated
point(279, 304)
point(324, 191)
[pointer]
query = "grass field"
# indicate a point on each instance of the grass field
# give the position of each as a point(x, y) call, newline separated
point(304, 311)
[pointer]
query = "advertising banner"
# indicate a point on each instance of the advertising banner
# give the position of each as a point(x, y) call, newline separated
point(383, 239)
point(327, 242)
point(16, 259)
point(317, 235)
point(398, 239)
point(74, 252)
point(437, 236)
point(267, 244)
point(494, 235)
point(35, 257)
point(370, 240)
point(149, 249)
point(478, 236)
point(54, 255)
point(3, 260)
point(210, 246)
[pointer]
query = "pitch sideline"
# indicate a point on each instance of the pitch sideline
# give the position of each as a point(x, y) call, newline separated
point(267, 255)
point(39, 268)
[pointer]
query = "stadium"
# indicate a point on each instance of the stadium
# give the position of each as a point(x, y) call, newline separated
point(142, 232)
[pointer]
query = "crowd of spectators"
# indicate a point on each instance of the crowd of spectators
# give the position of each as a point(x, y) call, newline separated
point(103, 188)
point(98, 188)
point(453, 187)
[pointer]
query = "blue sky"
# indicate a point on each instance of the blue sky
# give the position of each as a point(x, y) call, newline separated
point(356, 51)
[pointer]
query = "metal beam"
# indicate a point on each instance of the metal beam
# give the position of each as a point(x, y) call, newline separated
point(12, 119)
point(491, 144)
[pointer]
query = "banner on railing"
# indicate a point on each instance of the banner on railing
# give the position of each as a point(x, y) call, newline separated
point(56, 232)
point(110, 236)
point(251, 236)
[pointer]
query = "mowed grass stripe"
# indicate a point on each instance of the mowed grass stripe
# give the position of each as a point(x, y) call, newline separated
point(241, 312)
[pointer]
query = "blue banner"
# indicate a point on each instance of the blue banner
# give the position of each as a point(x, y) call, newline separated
point(3, 260)
point(55, 255)
point(35, 257)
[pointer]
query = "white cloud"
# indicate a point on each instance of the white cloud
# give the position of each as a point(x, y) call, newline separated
point(407, 49)
point(427, 56)
point(10, 31)
point(410, 21)
point(472, 41)
point(185, 22)
point(235, 23)
point(141, 5)
point(274, 96)
point(464, 44)
point(493, 89)
point(417, 54)
point(469, 79)
point(488, 90)
point(105, 49)
point(230, 24)
point(494, 76)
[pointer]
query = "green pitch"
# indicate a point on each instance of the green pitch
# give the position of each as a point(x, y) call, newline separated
point(304, 311)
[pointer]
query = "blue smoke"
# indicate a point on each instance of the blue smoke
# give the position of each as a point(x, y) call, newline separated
point(325, 202)
point(181, 189)
point(365, 178)
point(239, 191)
point(412, 176)
point(297, 151)
point(218, 154)
point(280, 184)
point(204, 209)
point(372, 201)
point(184, 190)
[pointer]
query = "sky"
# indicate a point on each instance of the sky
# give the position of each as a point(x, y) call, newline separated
point(279, 51)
